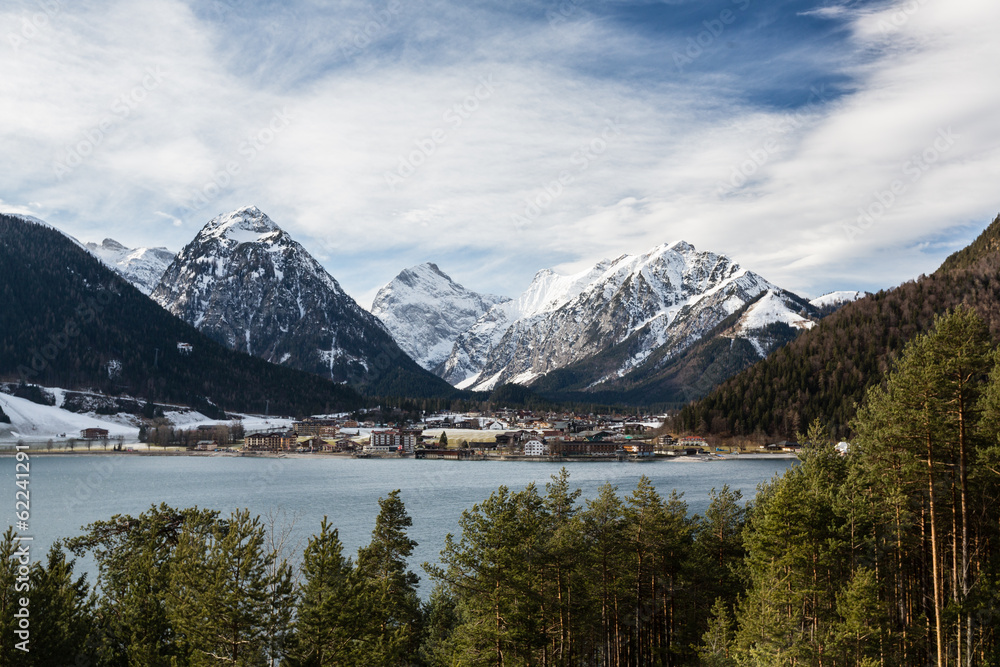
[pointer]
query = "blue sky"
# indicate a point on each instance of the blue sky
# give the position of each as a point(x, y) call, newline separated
point(824, 144)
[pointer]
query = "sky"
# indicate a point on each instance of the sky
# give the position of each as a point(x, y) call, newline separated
point(824, 144)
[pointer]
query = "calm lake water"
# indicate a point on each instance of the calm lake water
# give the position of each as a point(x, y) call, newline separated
point(68, 492)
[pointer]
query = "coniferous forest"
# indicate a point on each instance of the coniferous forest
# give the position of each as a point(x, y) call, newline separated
point(826, 372)
point(887, 555)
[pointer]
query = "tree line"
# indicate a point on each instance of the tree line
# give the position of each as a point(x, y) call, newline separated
point(885, 556)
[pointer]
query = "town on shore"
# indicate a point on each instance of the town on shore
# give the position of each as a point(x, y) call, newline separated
point(501, 435)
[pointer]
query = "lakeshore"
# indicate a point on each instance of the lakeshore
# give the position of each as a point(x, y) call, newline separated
point(141, 450)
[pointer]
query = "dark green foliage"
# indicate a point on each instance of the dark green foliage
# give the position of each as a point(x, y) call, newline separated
point(331, 622)
point(67, 319)
point(538, 580)
point(229, 600)
point(4, 419)
point(393, 621)
point(826, 372)
point(34, 393)
point(887, 556)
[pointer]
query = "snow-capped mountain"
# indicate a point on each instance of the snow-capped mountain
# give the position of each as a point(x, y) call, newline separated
point(425, 311)
point(663, 301)
point(246, 283)
point(838, 298)
point(143, 267)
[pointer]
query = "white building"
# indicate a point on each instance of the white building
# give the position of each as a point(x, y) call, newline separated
point(535, 448)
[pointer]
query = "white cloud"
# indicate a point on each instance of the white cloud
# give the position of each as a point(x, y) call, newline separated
point(232, 122)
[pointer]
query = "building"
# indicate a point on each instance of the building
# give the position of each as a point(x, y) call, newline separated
point(316, 427)
point(313, 444)
point(395, 440)
point(535, 448)
point(94, 434)
point(639, 447)
point(185, 348)
point(276, 441)
point(583, 448)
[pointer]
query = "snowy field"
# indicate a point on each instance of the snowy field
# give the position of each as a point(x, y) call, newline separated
point(32, 422)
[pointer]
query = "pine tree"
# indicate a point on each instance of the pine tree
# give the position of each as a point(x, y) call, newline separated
point(604, 527)
point(716, 645)
point(929, 412)
point(330, 619)
point(135, 558)
point(493, 571)
point(718, 547)
point(222, 595)
point(389, 586)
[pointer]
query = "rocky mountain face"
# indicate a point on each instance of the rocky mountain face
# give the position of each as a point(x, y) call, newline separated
point(246, 283)
point(426, 311)
point(69, 321)
point(620, 317)
point(143, 267)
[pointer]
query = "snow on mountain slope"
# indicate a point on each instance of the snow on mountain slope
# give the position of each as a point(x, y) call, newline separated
point(771, 308)
point(426, 311)
point(32, 421)
point(670, 296)
point(547, 292)
point(143, 267)
point(246, 283)
point(836, 298)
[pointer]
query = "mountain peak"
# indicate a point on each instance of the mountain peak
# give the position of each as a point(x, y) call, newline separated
point(111, 244)
point(142, 267)
point(246, 224)
point(681, 246)
point(426, 311)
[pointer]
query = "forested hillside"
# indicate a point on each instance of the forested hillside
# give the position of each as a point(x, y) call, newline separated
point(825, 372)
point(69, 321)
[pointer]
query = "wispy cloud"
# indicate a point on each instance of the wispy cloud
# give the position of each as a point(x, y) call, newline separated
point(836, 115)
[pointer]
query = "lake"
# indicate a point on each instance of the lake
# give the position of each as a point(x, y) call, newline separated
point(68, 492)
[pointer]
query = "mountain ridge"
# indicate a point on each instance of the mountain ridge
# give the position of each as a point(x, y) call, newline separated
point(249, 285)
point(72, 322)
point(668, 296)
point(143, 267)
point(425, 311)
